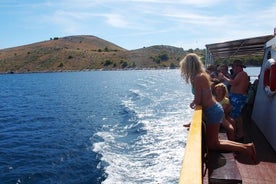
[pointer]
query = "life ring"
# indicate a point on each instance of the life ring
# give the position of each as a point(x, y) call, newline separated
point(269, 82)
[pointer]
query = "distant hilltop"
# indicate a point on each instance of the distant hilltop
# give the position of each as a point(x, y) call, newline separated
point(84, 52)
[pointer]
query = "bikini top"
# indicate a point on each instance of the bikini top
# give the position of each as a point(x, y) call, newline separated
point(204, 91)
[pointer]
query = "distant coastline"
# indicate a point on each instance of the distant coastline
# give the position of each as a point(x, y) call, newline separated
point(89, 53)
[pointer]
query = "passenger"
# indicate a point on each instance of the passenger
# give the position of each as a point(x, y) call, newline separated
point(221, 95)
point(212, 70)
point(224, 69)
point(192, 71)
point(238, 95)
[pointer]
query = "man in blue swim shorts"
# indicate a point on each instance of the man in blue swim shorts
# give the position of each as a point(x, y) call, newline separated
point(238, 93)
point(237, 101)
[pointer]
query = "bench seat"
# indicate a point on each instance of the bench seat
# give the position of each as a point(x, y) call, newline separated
point(222, 167)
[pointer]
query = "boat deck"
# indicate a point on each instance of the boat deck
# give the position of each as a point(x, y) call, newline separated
point(264, 171)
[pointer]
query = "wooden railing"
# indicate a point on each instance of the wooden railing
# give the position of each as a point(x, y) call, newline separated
point(191, 171)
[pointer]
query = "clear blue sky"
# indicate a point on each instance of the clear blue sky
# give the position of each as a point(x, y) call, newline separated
point(134, 24)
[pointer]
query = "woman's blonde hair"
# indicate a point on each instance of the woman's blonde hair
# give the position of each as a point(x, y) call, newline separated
point(190, 66)
point(225, 91)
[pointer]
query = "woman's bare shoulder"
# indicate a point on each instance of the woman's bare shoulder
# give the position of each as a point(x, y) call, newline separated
point(201, 77)
point(201, 81)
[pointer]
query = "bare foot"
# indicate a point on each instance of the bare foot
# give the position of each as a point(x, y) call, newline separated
point(252, 152)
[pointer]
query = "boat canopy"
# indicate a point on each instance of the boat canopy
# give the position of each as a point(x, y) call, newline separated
point(242, 47)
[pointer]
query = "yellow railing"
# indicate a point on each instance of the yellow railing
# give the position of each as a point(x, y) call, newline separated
point(191, 171)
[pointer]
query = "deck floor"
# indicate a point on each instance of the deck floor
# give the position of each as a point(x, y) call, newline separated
point(262, 172)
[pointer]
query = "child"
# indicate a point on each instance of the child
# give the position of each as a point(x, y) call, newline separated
point(221, 95)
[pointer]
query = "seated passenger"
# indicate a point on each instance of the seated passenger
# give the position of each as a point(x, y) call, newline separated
point(221, 95)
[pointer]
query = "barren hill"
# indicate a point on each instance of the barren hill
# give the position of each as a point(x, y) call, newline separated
point(84, 53)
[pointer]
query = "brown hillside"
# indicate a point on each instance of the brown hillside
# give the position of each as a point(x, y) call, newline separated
point(152, 56)
point(84, 53)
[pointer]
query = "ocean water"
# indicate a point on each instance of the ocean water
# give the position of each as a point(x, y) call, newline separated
point(253, 73)
point(93, 127)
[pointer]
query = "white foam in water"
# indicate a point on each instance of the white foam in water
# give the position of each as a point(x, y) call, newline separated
point(156, 156)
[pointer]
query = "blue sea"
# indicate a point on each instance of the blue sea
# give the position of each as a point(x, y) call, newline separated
point(93, 127)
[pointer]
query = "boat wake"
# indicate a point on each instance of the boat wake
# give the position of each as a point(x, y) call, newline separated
point(146, 141)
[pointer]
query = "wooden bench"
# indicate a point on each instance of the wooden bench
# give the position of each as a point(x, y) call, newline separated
point(222, 167)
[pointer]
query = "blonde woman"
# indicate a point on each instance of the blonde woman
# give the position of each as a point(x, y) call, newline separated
point(192, 71)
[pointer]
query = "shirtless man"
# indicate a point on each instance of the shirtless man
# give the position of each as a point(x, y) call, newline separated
point(238, 94)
